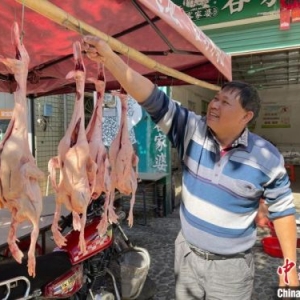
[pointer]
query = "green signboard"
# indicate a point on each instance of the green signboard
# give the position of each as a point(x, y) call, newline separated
point(206, 12)
point(153, 147)
point(154, 152)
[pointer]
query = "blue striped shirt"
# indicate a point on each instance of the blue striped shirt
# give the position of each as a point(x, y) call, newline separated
point(221, 193)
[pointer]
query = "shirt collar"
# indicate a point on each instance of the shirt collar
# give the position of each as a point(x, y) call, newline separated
point(242, 140)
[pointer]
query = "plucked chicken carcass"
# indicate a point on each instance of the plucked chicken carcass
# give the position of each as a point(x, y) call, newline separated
point(123, 161)
point(98, 151)
point(19, 175)
point(77, 168)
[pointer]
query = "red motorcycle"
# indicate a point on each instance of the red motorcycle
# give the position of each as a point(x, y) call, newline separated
point(110, 269)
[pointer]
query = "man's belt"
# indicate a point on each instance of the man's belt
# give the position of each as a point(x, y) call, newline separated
point(212, 256)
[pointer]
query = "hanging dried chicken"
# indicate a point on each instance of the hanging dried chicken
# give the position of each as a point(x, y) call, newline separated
point(19, 175)
point(77, 168)
point(98, 151)
point(124, 163)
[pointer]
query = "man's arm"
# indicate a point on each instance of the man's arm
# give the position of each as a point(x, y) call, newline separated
point(286, 231)
point(138, 86)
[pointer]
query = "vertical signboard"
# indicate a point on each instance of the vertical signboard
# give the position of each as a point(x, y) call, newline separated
point(153, 146)
point(154, 152)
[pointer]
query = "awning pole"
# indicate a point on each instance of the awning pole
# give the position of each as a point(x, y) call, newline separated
point(56, 14)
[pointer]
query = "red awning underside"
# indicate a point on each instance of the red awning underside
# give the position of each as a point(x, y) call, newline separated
point(175, 42)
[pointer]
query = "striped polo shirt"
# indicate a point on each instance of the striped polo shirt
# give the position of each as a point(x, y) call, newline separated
point(221, 192)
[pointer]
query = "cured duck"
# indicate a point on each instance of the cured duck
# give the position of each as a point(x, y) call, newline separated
point(98, 150)
point(124, 162)
point(19, 188)
point(76, 166)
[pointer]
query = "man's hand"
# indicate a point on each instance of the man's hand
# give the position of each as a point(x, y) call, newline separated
point(96, 49)
point(262, 219)
point(136, 85)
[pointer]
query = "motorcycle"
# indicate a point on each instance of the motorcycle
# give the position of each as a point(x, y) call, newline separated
point(111, 269)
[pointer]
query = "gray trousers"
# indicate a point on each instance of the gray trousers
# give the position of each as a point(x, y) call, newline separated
point(197, 278)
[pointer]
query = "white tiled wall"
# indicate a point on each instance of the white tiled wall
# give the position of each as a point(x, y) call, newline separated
point(49, 132)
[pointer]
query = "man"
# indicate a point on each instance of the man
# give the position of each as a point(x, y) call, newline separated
point(226, 171)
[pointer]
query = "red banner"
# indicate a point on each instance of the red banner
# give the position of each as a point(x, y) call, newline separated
point(285, 19)
point(289, 12)
point(289, 4)
point(296, 14)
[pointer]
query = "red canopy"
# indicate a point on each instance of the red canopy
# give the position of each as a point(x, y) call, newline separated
point(159, 29)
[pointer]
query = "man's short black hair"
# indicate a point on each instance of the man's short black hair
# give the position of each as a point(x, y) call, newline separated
point(248, 96)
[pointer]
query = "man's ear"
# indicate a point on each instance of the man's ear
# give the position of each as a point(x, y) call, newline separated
point(248, 116)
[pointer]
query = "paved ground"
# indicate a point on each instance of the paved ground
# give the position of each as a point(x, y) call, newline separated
point(158, 237)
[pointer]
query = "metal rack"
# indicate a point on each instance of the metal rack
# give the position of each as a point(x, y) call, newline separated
point(150, 195)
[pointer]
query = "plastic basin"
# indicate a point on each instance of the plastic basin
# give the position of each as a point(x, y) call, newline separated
point(272, 247)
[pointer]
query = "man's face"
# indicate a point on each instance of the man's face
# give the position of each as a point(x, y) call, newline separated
point(225, 115)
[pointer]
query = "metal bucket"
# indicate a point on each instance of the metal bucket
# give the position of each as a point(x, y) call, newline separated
point(134, 265)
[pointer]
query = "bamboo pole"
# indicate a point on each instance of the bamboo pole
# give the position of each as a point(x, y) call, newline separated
point(61, 17)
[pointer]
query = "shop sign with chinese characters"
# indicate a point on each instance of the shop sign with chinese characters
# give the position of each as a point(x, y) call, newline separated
point(276, 116)
point(206, 12)
point(161, 157)
point(153, 147)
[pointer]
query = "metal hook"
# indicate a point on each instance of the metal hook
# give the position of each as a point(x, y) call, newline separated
point(127, 58)
point(172, 81)
point(22, 37)
point(66, 21)
point(22, 23)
